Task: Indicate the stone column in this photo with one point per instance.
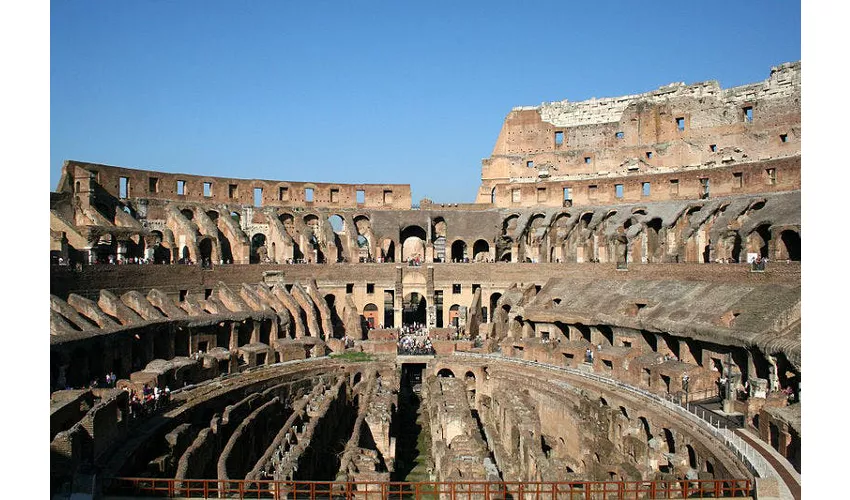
(431, 315)
(398, 300)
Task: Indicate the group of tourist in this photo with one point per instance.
(413, 339)
(413, 345)
(149, 401)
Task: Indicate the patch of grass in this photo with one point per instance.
(353, 356)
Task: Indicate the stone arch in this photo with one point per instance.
(458, 251)
(758, 241)
(413, 243)
(371, 315)
(790, 248)
(480, 250)
(692, 457)
(454, 315)
(259, 252)
(446, 373)
(206, 250)
(670, 440)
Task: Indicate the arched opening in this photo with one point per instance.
(184, 254)
(371, 317)
(671, 443)
(646, 430)
(337, 223)
(692, 457)
(791, 241)
(188, 213)
(258, 248)
(205, 246)
(494, 299)
(458, 251)
(492, 196)
(446, 373)
(413, 244)
(161, 254)
(506, 257)
(761, 240)
(338, 226)
(454, 315)
(414, 309)
(480, 251)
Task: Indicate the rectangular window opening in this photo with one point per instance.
(645, 188)
(475, 286)
(541, 194)
(713, 148)
(591, 191)
(334, 195)
(361, 196)
(587, 159)
(283, 194)
(515, 195)
(388, 197)
(783, 137)
(208, 189)
(680, 123)
(674, 186)
(649, 155)
(568, 195)
(737, 179)
(123, 184)
(618, 190)
(308, 195)
(258, 197)
(529, 164)
(153, 184)
(181, 188)
(370, 288)
(559, 138)
(456, 288)
(748, 114)
(232, 191)
(207, 293)
(183, 294)
(349, 288)
(619, 135)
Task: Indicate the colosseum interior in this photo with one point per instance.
(616, 316)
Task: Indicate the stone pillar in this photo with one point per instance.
(398, 299)
(514, 252)
(431, 315)
(234, 337)
(255, 331)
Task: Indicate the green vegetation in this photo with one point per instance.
(353, 356)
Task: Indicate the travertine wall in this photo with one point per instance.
(676, 127)
(164, 186)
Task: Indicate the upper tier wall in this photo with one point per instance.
(674, 127)
(164, 186)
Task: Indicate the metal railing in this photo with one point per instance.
(707, 420)
(355, 490)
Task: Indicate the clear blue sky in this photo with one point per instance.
(369, 91)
